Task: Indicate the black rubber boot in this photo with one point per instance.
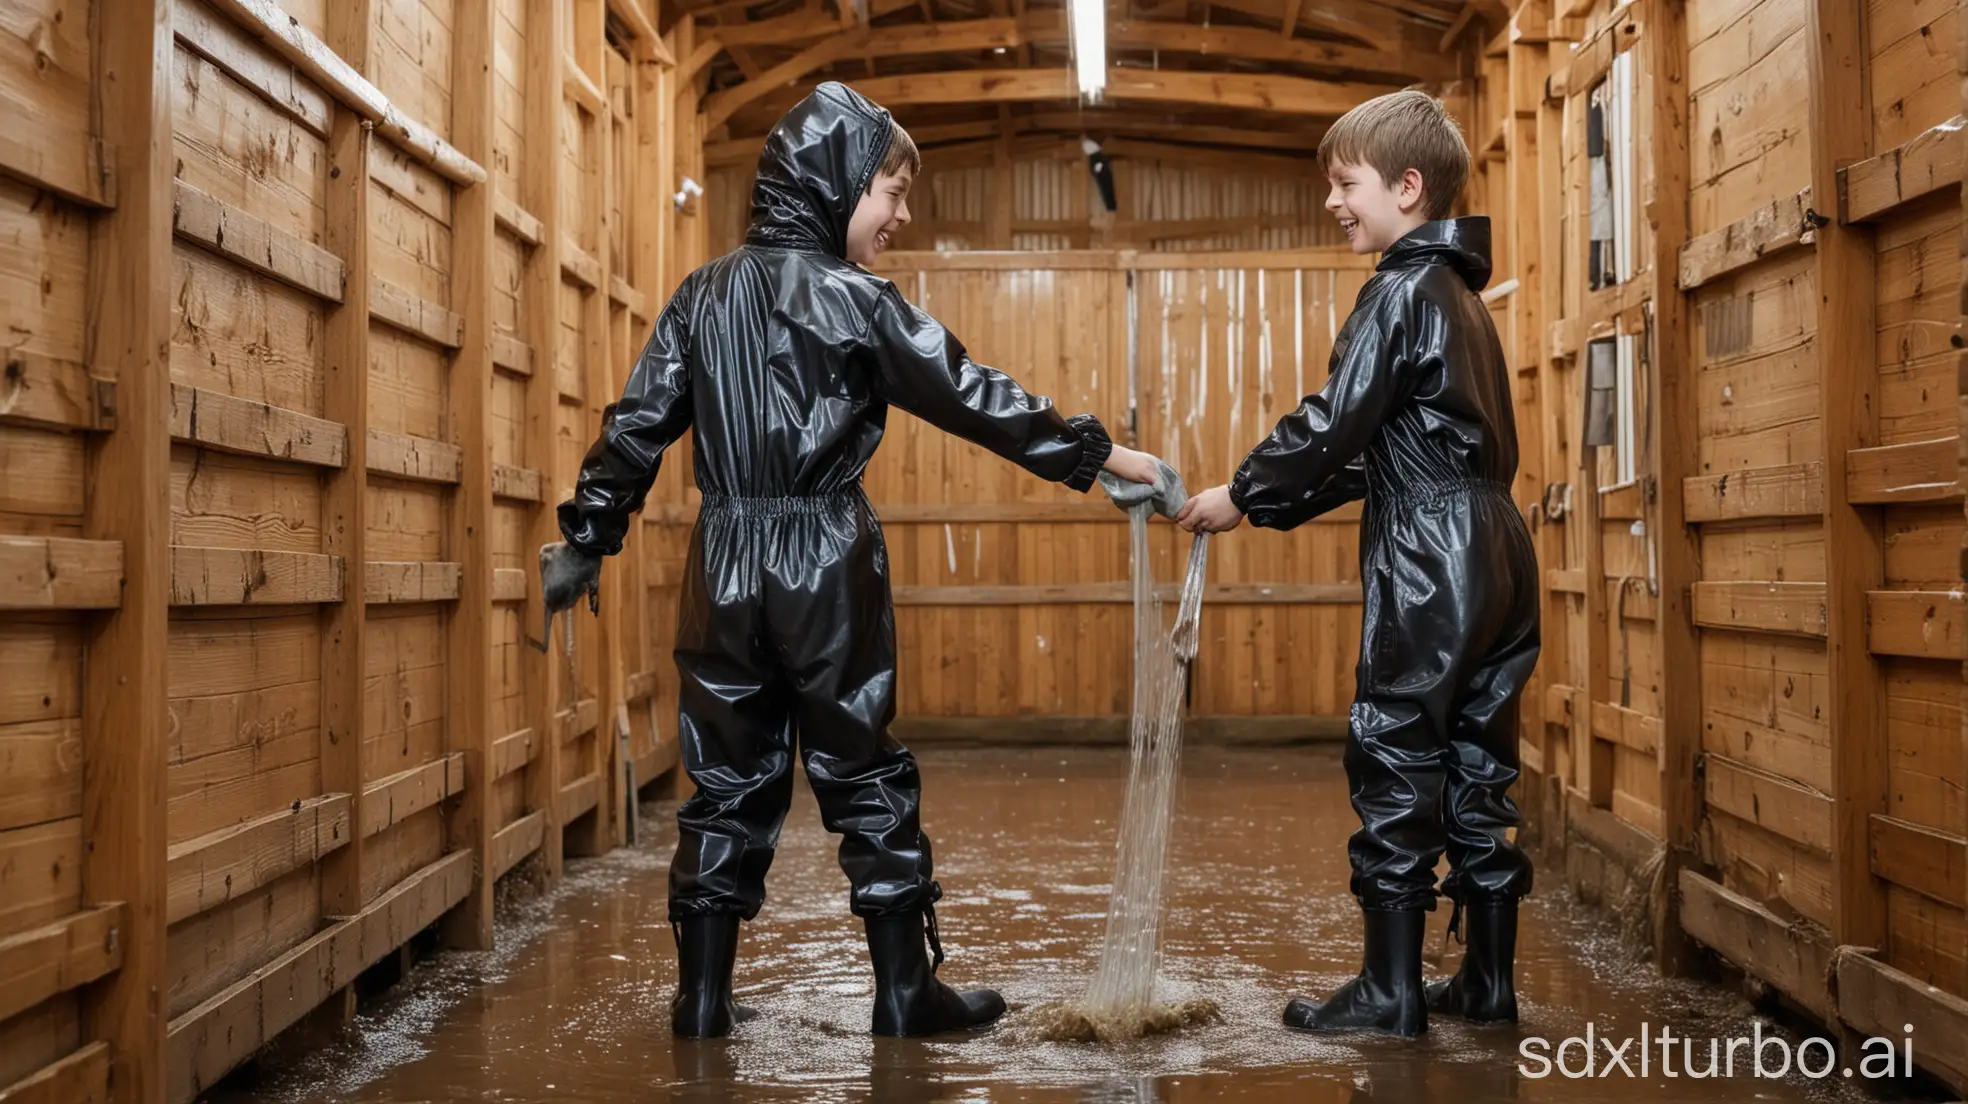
(1484, 989)
(707, 948)
(908, 998)
(1387, 996)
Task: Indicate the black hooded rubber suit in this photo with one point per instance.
(1416, 418)
(782, 359)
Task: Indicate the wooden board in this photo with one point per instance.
(1916, 623)
(1755, 939)
(60, 573)
(244, 576)
(213, 420)
(1777, 804)
(1929, 862)
(1788, 490)
(1797, 608)
(411, 581)
(404, 794)
(80, 1078)
(54, 958)
(232, 862)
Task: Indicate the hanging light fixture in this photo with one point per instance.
(1089, 27)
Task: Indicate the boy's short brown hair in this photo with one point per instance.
(1401, 131)
(902, 154)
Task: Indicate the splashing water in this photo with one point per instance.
(1120, 1001)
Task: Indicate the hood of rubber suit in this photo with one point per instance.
(816, 164)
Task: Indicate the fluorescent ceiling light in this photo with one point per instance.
(1089, 25)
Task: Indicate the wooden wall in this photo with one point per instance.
(310, 313)
(1752, 672)
(1036, 193)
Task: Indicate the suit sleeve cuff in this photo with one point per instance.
(1095, 448)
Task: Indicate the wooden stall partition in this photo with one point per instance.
(272, 406)
(1753, 685)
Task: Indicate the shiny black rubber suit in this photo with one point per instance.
(1416, 418)
(782, 358)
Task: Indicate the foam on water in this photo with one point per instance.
(1120, 1001)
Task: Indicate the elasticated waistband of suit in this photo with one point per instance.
(781, 505)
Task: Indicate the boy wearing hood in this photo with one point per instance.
(783, 358)
(1416, 419)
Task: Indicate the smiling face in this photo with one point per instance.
(1374, 213)
(881, 213)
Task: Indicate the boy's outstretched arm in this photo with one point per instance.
(925, 370)
(653, 412)
(1311, 462)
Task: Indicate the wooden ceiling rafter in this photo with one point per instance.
(1280, 94)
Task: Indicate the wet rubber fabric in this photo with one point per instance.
(1416, 419)
(782, 359)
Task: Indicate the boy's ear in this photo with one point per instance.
(1413, 189)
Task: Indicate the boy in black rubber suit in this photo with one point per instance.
(782, 358)
(1416, 418)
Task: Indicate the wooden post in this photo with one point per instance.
(124, 708)
(468, 535)
(344, 525)
(540, 301)
(1522, 224)
(1552, 395)
(1675, 400)
(1841, 133)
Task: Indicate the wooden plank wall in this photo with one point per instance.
(399, 250)
(1753, 654)
(1040, 196)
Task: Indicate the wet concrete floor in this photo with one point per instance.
(574, 1004)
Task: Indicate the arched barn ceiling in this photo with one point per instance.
(1253, 74)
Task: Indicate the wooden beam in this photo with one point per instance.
(623, 294)
(221, 866)
(512, 752)
(639, 687)
(221, 41)
(1769, 801)
(287, 37)
(1914, 473)
(515, 220)
(1840, 133)
(1883, 1002)
(579, 719)
(1929, 163)
(519, 484)
(1794, 608)
(638, 23)
(51, 573)
(1764, 232)
(1629, 728)
(210, 1039)
(414, 314)
(59, 957)
(417, 458)
(345, 493)
(706, 52)
(581, 88)
(539, 322)
(578, 797)
(1277, 93)
(388, 581)
(255, 243)
(1926, 860)
(508, 584)
(468, 524)
(1785, 955)
(230, 424)
(512, 355)
(402, 795)
(126, 474)
(71, 166)
(80, 1078)
(252, 577)
(580, 265)
(1923, 623)
(56, 393)
(1048, 28)
(1778, 491)
(516, 841)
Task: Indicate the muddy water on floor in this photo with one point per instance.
(574, 1005)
